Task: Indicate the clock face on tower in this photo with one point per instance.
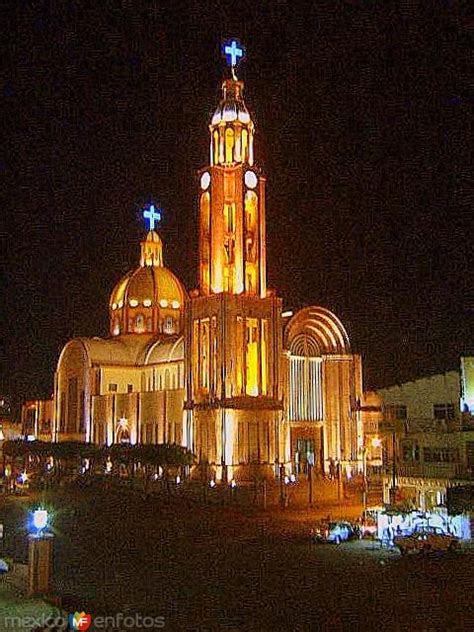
(205, 180)
(250, 179)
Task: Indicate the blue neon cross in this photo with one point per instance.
(233, 52)
(152, 216)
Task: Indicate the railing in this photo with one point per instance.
(433, 470)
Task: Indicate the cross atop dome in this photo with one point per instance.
(233, 51)
(151, 216)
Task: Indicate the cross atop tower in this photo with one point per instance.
(233, 51)
(151, 216)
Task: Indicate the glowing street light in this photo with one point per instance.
(23, 478)
(40, 519)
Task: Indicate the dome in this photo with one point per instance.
(149, 299)
(148, 286)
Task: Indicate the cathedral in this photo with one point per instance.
(220, 369)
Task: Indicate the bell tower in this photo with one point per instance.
(232, 203)
(234, 341)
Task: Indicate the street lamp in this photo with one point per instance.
(375, 443)
(40, 554)
(40, 520)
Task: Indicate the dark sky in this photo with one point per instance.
(363, 128)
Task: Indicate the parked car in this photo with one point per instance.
(334, 532)
(425, 539)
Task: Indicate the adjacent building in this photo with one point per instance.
(428, 431)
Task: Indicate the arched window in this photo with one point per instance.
(149, 324)
(169, 325)
(205, 205)
(167, 380)
(229, 145)
(116, 327)
(245, 140)
(139, 324)
(216, 147)
(251, 202)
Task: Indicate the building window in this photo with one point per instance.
(440, 455)
(112, 388)
(82, 412)
(72, 402)
(168, 325)
(97, 382)
(443, 411)
(116, 327)
(396, 412)
(229, 145)
(204, 353)
(139, 324)
(252, 356)
(229, 217)
(129, 388)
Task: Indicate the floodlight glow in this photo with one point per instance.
(178, 480)
(287, 314)
(23, 478)
(293, 478)
(212, 483)
(376, 442)
(233, 483)
(40, 519)
(287, 480)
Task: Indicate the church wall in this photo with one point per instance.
(119, 379)
(152, 417)
(245, 441)
(72, 393)
(340, 418)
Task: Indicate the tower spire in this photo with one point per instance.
(232, 199)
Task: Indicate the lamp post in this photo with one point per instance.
(310, 459)
(375, 443)
(364, 480)
(40, 554)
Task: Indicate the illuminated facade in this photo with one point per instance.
(233, 323)
(218, 370)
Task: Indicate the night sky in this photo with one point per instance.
(363, 128)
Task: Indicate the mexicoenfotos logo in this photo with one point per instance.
(80, 621)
